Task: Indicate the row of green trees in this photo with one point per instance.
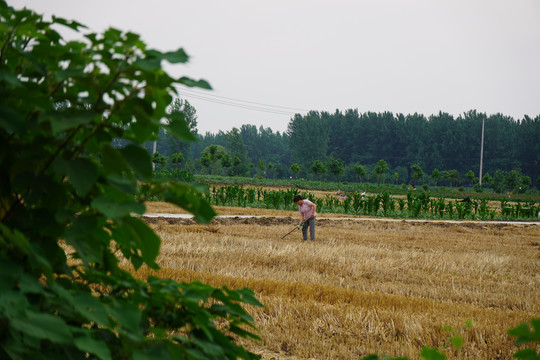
(216, 160)
(436, 142)
(349, 147)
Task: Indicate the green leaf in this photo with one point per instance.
(524, 334)
(91, 308)
(22, 245)
(189, 199)
(243, 333)
(61, 121)
(113, 161)
(431, 354)
(139, 355)
(139, 159)
(11, 120)
(142, 131)
(248, 296)
(194, 83)
(147, 124)
(84, 342)
(43, 326)
(457, 342)
(128, 316)
(4, 150)
(196, 291)
(175, 351)
(30, 285)
(10, 78)
(83, 174)
(15, 237)
(125, 184)
(10, 272)
(146, 238)
(87, 237)
(209, 348)
(527, 354)
(174, 57)
(12, 303)
(72, 24)
(67, 74)
(153, 351)
(180, 129)
(114, 209)
(195, 354)
(468, 324)
(148, 64)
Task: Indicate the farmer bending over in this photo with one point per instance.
(307, 216)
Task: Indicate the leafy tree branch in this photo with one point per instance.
(70, 205)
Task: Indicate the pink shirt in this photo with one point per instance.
(306, 210)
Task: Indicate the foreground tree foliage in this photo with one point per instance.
(69, 210)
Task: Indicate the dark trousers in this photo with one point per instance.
(311, 224)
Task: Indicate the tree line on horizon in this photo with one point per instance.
(349, 145)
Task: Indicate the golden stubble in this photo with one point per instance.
(365, 286)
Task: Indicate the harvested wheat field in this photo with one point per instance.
(363, 287)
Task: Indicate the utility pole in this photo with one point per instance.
(155, 149)
(481, 152)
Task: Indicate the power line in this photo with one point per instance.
(244, 104)
(238, 105)
(239, 100)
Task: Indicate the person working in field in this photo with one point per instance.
(307, 216)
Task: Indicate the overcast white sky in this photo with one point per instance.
(267, 60)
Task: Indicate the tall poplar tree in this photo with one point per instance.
(308, 138)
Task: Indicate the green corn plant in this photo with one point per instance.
(463, 209)
(415, 208)
(506, 209)
(329, 202)
(432, 206)
(401, 203)
(358, 201)
(347, 201)
(288, 198)
(320, 204)
(388, 204)
(440, 207)
(251, 196)
(450, 209)
(483, 209)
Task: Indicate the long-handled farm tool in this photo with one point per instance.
(297, 227)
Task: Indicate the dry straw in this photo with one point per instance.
(366, 286)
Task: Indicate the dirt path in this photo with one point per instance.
(284, 219)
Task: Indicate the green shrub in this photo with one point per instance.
(66, 185)
(478, 188)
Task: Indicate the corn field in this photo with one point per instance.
(415, 205)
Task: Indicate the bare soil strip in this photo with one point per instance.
(358, 218)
